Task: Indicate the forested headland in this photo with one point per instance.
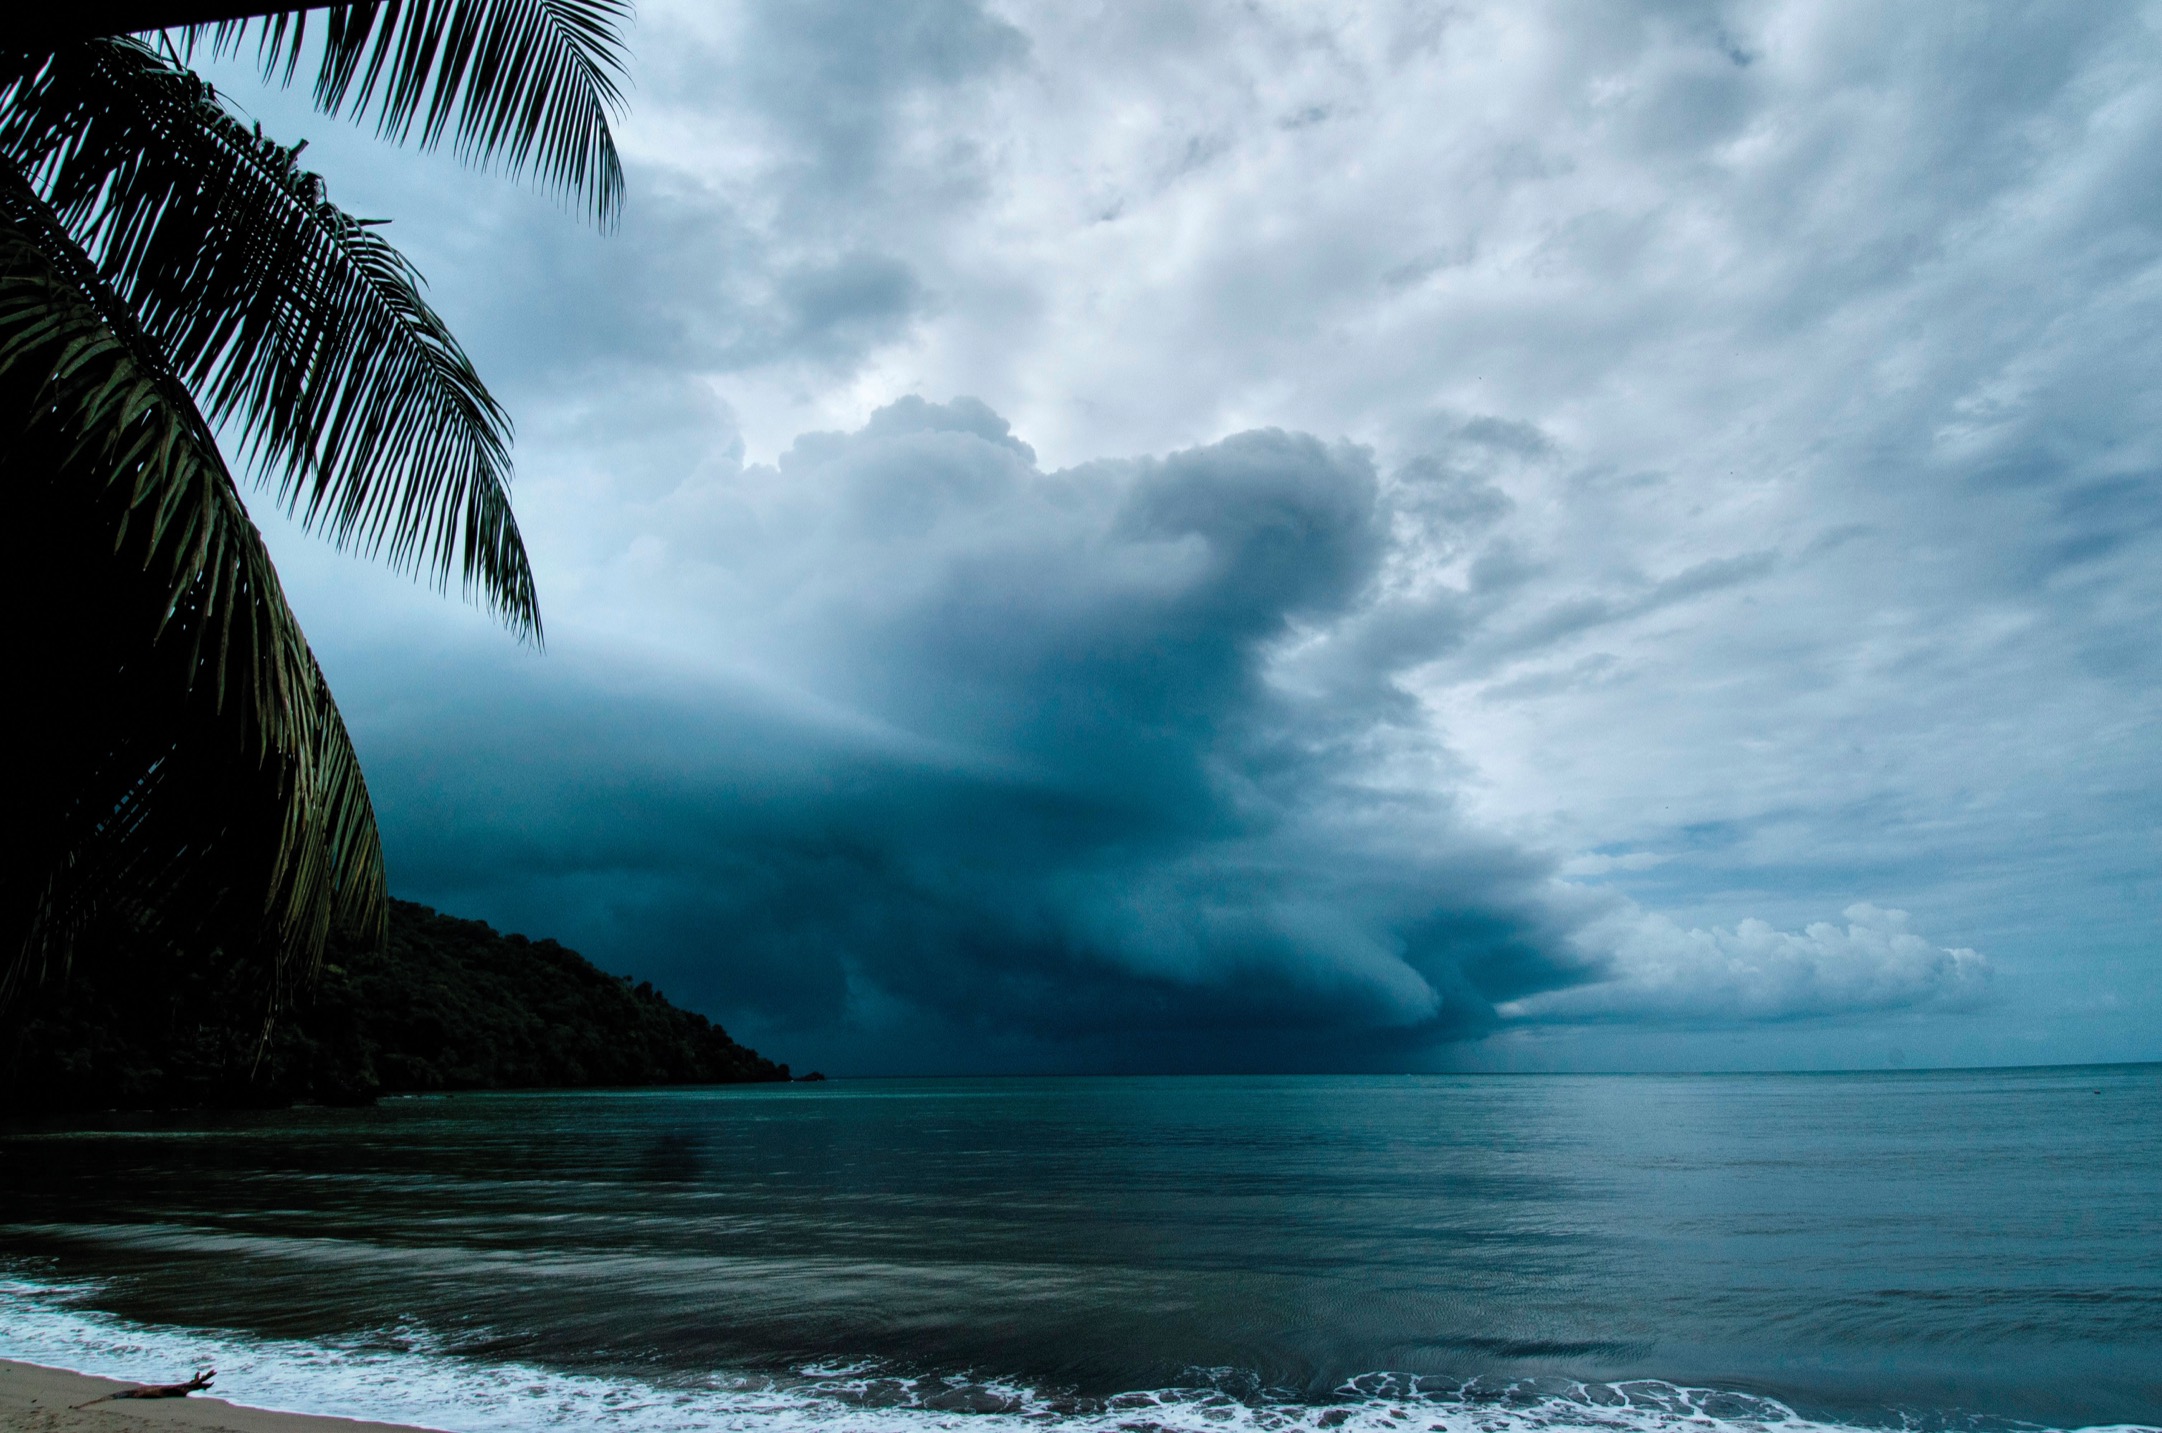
(443, 1004)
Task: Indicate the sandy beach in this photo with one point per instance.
(52, 1400)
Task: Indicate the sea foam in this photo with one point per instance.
(403, 1375)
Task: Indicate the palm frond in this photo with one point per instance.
(183, 775)
(291, 320)
(41, 29)
(529, 84)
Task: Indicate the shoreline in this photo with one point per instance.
(38, 1399)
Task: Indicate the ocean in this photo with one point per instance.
(1915, 1250)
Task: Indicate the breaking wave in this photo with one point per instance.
(402, 1375)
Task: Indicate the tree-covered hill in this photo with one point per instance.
(448, 1004)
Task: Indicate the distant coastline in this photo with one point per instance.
(447, 1004)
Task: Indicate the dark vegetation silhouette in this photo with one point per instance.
(184, 803)
(443, 1004)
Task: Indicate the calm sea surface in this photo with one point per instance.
(1932, 1250)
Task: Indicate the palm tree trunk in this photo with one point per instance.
(46, 27)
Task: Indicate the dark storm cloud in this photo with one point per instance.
(932, 759)
(1764, 525)
(1052, 791)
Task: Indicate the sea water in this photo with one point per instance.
(1975, 1249)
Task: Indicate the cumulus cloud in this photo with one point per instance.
(1101, 766)
(1749, 504)
(1023, 762)
(1660, 971)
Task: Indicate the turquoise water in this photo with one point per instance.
(1900, 1249)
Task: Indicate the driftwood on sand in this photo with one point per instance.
(196, 1384)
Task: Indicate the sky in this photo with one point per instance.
(1237, 535)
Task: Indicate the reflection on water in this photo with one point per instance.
(1852, 1245)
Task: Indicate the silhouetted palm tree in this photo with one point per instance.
(180, 781)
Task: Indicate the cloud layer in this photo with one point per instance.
(1102, 767)
(1659, 971)
(1052, 784)
(1732, 497)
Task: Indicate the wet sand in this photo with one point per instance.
(45, 1400)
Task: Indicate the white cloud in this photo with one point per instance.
(1765, 397)
(1599, 863)
(1660, 971)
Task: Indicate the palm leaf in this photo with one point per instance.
(41, 29)
(529, 84)
(185, 776)
(290, 319)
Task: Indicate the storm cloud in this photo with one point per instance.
(1052, 784)
(1702, 463)
(1101, 767)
